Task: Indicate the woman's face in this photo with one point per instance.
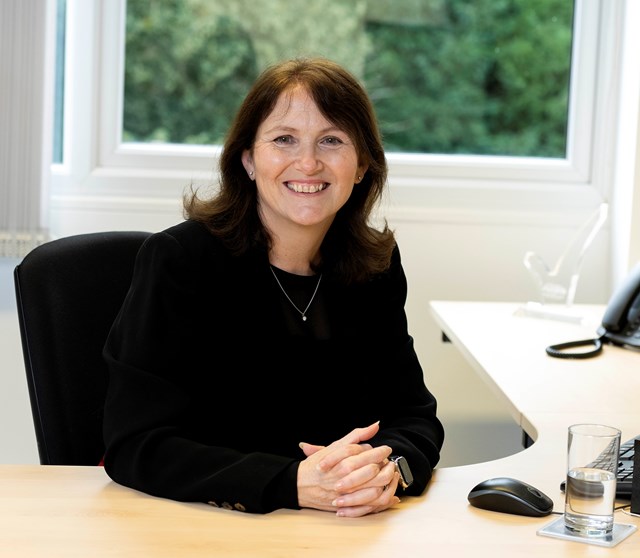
(304, 167)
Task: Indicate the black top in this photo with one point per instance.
(303, 293)
(211, 390)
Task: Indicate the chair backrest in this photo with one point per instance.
(68, 292)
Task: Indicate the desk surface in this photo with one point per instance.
(78, 512)
(507, 349)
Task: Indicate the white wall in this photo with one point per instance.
(17, 442)
(458, 261)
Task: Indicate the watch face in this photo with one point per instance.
(406, 477)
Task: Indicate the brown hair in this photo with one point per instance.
(352, 250)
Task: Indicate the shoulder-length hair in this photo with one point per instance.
(353, 250)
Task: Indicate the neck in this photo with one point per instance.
(299, 263)
(295, 247)
(296, 253)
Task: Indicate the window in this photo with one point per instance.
(478, 156)
(455, 77)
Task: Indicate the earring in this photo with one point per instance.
(251, 174)
(359, 178)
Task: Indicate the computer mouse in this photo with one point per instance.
(507, 495)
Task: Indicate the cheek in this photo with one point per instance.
(269, 160)
(342, 192)
(276, 158)
(346, 165)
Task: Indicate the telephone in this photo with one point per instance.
(620, 323)
(621, 320)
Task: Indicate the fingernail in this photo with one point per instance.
(301, 445)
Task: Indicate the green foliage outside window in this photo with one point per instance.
(485, 77)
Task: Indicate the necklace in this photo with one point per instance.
(301, 312)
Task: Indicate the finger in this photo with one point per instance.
(370, 455)
(359, 511)
(387, 476)
(309, 449)
(365, 476)
(358, 435)
(361, 468)
(392, 486)
(337, 454)
(364, 497)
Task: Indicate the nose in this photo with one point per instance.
(309, 158)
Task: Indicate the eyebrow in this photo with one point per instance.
(280, 128)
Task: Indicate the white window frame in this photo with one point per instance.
(100, 170)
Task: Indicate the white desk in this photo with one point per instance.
(508, 352)
(78, 512)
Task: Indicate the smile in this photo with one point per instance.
(306, 188)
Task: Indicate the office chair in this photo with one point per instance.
(68, 292)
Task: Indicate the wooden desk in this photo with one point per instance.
(78, 512)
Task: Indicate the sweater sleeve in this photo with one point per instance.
(150, 445)
(408, 422)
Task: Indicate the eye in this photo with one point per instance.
(283, 140)
(332, 140)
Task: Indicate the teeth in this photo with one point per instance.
(306, 188)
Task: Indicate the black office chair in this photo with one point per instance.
(68, 292)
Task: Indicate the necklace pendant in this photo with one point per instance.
(301, 312)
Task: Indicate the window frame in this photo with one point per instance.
(97, 164)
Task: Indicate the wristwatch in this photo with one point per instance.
(402, 466)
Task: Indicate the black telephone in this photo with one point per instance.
(621, 320)
(620, 323)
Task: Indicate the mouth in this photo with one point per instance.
(306, 188)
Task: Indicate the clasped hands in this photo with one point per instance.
(348, 476)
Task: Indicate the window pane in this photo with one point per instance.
(58, 103)
(485, 77)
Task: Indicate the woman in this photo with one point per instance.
(261, 359)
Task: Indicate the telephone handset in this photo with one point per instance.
(621, 320)
(620, 323)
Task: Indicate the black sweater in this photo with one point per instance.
(211, 388)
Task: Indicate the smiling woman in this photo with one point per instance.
(312, 135)
(294, 269)
(300, 155)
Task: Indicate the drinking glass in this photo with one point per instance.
(592, 461)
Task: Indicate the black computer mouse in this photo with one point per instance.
(507, 495)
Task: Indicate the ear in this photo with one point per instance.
(362, 169)
(247, 163)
